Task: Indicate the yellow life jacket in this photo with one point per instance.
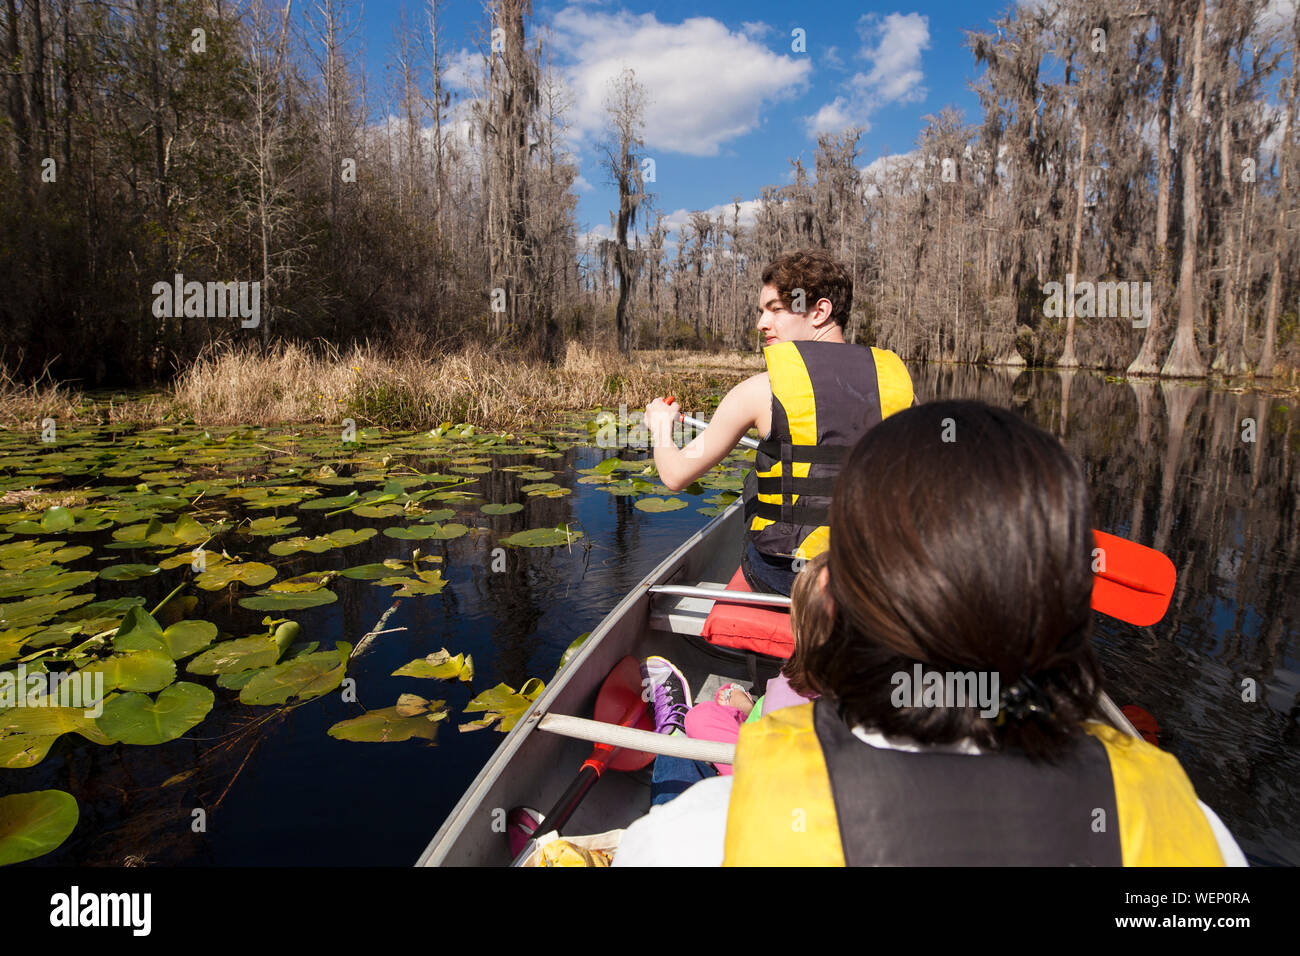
(806, 792)
(825, 395)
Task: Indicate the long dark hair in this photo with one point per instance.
(961, 541)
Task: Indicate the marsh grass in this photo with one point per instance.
(412, 386)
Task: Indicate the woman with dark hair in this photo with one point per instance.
(958, 721)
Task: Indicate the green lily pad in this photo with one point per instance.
(301, 678)
(139, 631)
(344, 537)
(326, 504)
(274, 601)
(502, 509)
(146, 671)
(378, 511)
(128, 572)
(304, 583)
(57, 519)
(542, 538)
(438, 514)
(270, 527)
(33, 824)
(24, 750)
(252, 573)
(439, 665)
(425, 532)
(423, 583)
(242, 654)
(656, 505)
(390, 725)
(38, 609)
(144, 721)
(571, 651)
(503, 703)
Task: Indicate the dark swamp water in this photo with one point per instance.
(1168, 467)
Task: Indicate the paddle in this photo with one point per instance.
(1131, 582)
(619, 702)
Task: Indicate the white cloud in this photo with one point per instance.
(705, 84)
(1276, 15)
(892, 45)
(681, 218)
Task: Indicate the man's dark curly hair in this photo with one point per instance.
(819, 274)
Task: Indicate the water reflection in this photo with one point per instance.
(1209, 477)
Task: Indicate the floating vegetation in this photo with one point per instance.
(656, 505)
(236, 523)
(542, 537)
(406, 721)
(504, 704)
(439, 665)
(33, 824)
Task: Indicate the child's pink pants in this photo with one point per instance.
(714, 721)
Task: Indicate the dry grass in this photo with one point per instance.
(27, 406)
(418, 387)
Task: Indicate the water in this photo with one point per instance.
(1168, 467)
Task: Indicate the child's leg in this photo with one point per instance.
(710, 721)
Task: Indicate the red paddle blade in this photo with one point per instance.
(1133, 583)
(620, 702)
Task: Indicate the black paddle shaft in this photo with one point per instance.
(568, 802)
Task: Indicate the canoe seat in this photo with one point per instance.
(747, 627)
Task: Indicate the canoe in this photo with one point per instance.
(532, 767)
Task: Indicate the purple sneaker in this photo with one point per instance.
(665, 687)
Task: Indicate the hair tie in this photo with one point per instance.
(1023, 699)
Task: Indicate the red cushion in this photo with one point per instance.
(747, 626)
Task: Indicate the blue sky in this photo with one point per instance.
(730, 100)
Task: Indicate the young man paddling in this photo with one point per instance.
(818, 396)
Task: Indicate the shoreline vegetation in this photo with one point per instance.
(292, 384)
(414, 387)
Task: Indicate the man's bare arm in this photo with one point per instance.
(737, 413)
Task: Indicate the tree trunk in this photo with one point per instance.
(1147, 360)
(1184, 359)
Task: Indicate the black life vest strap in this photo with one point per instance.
(808, 454)
(814, 487)
(798, 514)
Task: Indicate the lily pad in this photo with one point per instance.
(128, 572)
(246, 653)
(503, 703)
(275, 601)
(656, 505)
(147, 671)
(439, 665)
(542, 538)
(144, 721)
(252, 573)
(502, 509)
(139, 631)
(423, 583)
(425, 532)
(342, 538)
(390, 725)
(301, 678)
(33, 824)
